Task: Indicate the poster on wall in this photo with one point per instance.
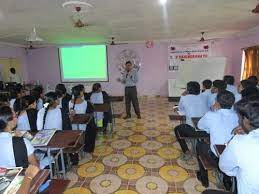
(181, 52)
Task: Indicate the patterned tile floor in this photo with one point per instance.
(142, 156)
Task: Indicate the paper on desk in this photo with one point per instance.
(43, 137)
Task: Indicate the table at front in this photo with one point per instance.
(61, 140)
(56, 186)
(37, 181)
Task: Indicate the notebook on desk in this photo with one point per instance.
(43, 137)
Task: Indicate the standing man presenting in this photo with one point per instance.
(130, 79)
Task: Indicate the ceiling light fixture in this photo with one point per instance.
(163, 2)
(84, 7)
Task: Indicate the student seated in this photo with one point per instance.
(38, 94)
(97, 96)
(219, 125)
(82, 87)
(206, 89)
(191, 105)
(26, 111)
(52, 116)
(241, 155)
(79, 106)
(64, 97)
(16, 93)
(230, 81)
(15, 151)
(4, 100)
(217, 86)
(250, 92)
(254, 80)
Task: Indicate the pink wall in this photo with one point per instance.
(43, 64)
(19, 53)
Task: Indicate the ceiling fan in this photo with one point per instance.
(203, 39)
(112, 43)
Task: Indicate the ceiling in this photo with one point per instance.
(127, 20)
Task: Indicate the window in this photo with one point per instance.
(250, 62)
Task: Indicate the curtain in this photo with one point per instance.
(251, 64)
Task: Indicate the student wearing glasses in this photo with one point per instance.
(15, 151)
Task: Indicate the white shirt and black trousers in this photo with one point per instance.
(130, 79)
(219, 124)
(191, 106)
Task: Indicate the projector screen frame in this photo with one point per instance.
(81, 80)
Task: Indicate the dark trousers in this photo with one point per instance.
(203, 149)
(90, 136)
(131, 95)
(185, 130)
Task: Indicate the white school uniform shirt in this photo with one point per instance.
(232, 88)
(192, 106)
(23, 122)
(212, 99)
(7, 159)
(97, 98)
(79, 109)
(240, 159)
(12, 101)
(219, 124)
(39, 104)
(53, 119)
(238, 97)
(60, 102)
(206, 94)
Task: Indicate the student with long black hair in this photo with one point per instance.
(38, 94)
(79, 106)
(97, 96)
(64, 97)
(26, 111)
(16, 93)
(15, 151)
(52, 116)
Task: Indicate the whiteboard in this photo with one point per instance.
(200, 69)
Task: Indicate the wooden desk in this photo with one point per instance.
(180, 118)
(56, 186)
(65, 139)
(116, 98)
(40, 178)
(62, 140)
(81, 118)
(219, 149)
(102, 107)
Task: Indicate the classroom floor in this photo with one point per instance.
(142, 156)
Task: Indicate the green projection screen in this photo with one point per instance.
(83, 63)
